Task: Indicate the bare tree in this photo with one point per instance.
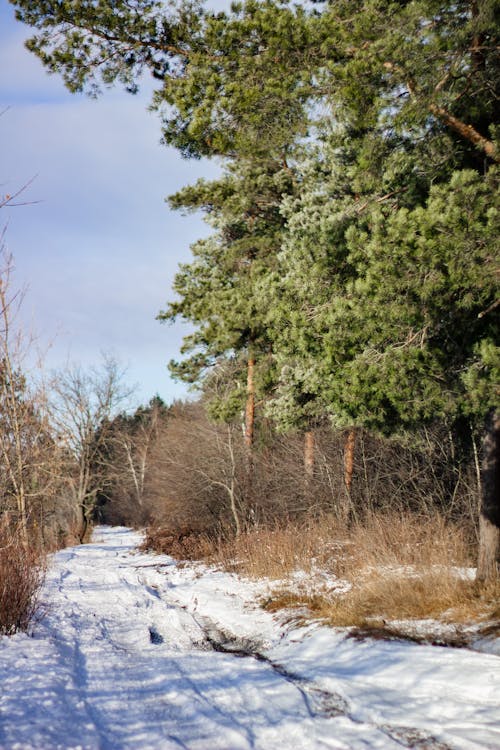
(31, 471)
(14, 406)
(127, 457)
(83, 406)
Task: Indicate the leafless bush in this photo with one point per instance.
(21, 575)
(183, 543)
(198, 476)
(195, 479)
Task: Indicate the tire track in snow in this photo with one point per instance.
(92, 644)
(142, 672)
(123, 631)
(319, 702)
(72, 650)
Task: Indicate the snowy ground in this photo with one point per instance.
(135, 652)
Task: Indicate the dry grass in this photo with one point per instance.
(261, 553)
(409, 540)
(398, 567)
(380, 600)
(393, 566)
(21, 575)
(277, 552)
(424, 595)
(407, 567)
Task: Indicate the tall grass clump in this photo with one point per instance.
(278, 551)
(21, 576)
(393, 566)
(404, 566)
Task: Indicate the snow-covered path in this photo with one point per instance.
(126, 657)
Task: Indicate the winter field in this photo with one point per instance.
(135, 651)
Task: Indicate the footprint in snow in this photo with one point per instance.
(155, 637)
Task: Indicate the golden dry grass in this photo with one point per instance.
(423, 595)
(384, 601)
(394, 567)
(277, 552)
(399, 567)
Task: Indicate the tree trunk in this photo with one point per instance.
(309, 461)
(489, 518)
(84, 524)
(232, 483)
(349, 448)
(137, 480)
(250, 407)
(309, 455)
(350, 445)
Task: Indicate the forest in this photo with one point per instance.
(344, 309)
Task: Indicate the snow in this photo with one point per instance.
(136, 651)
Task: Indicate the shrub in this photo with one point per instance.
(21, 576)
(182, 543)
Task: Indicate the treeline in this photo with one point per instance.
(176, 469)
(52, 435)
(349, 288)
(53, 429)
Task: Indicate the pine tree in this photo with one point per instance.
(405, 328)
(220, 290)
(371, 278)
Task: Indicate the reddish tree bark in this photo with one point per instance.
(250, 406)
(309, 454)
(465, 131)
(349, 448)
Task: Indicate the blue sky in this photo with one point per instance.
(98, 252)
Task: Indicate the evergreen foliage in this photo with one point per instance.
(405, 329)
(220, 291)
(354, 255)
